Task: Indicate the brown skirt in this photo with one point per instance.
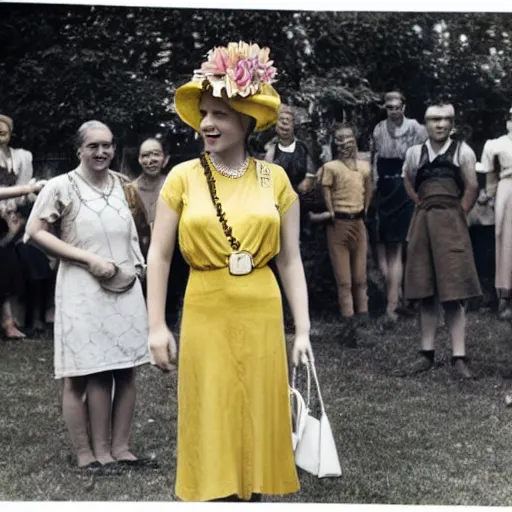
(439, 255)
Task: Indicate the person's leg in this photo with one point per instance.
(456, 322)
(358, 260)
(382, 259)
(429, 318)
(123, 409)
(8, 324)
(99, 403)
(340, 260)
(394, 278)
(74, 411)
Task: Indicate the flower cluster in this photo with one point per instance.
(239, 68)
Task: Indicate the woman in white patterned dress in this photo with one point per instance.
(100, 313)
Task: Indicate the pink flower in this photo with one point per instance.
(239, 68)
(242, 74)
(218, 62)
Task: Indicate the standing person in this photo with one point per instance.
(347, 187)
(290, 153)
(10, 276)
(440, 178)
(142, 193)
(15, 170)
(100, 315)
(235, 214)
(391, 139)
(293, 155)
(142, 196)
(497, 164)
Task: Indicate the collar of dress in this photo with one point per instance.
(287, 149)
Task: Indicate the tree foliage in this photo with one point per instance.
(62, 65)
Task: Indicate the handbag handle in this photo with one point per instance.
(310, 369)
(308, 387)
(315, 376)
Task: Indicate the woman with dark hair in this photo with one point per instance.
(100, 314)
(235, 213)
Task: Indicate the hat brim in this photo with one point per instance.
(262, 107)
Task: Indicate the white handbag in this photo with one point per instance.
(313, 442)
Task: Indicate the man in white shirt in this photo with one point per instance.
(440, 178)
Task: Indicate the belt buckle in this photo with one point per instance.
(240, 263)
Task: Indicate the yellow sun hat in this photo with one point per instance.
(242, 74)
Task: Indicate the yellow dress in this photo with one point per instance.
(234, 424)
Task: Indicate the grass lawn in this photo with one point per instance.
(430, 439)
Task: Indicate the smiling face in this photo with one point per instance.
(152, 158)
(97, 149)
(222, 128)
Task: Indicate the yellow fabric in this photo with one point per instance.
(250, 209)
(348, 187)
(234, 422)
(262, 107)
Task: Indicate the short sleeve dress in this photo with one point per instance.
(234, 421)
(95, 330)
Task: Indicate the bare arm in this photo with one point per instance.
(368, 190)
(491, 183)
(326, 179)
(39, 231)
(16, 191)
(468, 172)
(163, 242)
(410, 188)
(327, 193)
(293, 279)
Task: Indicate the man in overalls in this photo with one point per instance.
(441, 179)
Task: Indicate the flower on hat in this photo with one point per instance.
(239, 68)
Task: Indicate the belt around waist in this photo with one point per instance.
(349, 216)
(391, 177)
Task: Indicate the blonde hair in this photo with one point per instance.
(8, 121)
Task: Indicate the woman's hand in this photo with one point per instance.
(162, 347)
(301, 349)
(100, 267)
(306, 185)
(36, 187)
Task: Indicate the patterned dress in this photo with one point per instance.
(393, 205)
(95, 330)
(234, 421)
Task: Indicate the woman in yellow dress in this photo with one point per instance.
(235, 214)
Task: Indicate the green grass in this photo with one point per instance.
(430, 439)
